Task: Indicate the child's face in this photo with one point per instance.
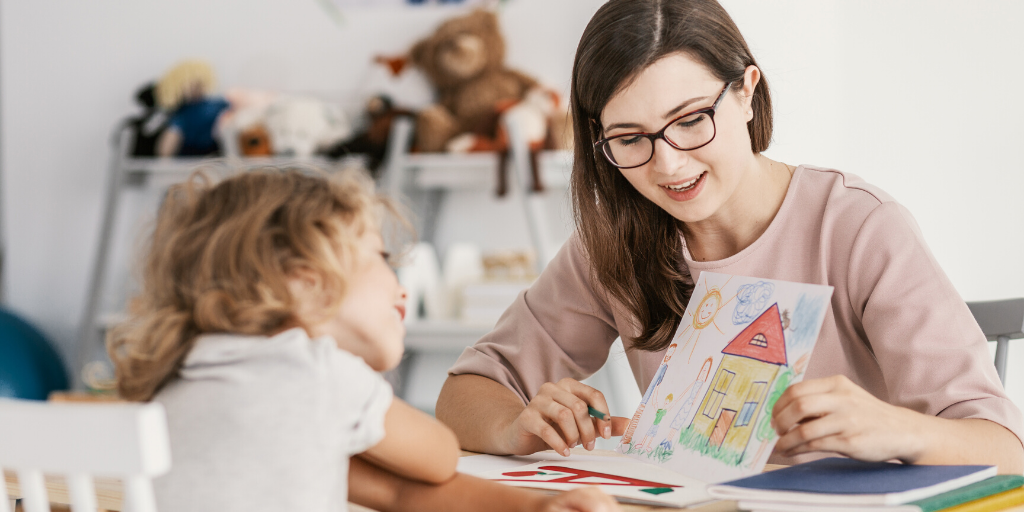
(369, 321)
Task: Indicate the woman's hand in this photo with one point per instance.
(835, 415)
(558, 418)
(587, 499)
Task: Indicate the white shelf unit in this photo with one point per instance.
(423, 181)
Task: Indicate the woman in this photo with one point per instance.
(671, 115)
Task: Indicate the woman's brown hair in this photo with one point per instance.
(634, 247)
(219, 259)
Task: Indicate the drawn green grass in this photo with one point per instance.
(698, 442)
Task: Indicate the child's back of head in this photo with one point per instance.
(244, 287)
(219, 260)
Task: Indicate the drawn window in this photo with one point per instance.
(750, 404)
(759, 340)
(718, 392)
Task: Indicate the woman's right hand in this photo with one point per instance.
(557, 418)
(587, 499)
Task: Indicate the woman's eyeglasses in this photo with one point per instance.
(685, 133)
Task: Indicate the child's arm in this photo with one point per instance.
(415, 445)
(373, 487)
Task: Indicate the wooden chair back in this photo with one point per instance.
(80, 441)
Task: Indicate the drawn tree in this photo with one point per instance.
(764, 431)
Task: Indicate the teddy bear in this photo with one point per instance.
(478, 96)
(464, 59)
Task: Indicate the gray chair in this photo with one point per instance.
(1001, 321)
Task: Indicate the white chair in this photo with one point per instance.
(1001, 321)
(79, 441)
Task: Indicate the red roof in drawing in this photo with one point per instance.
(763, 339)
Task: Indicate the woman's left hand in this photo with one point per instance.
(835, 415)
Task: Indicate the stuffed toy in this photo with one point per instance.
(245, 121)
(185, 93)
(478, 96)
(147, 127)
(373, 140)
(255, 141)
(464, 61)
(301, 126)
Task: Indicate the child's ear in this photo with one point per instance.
(306, 287)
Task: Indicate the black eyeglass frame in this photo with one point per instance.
(602, 144)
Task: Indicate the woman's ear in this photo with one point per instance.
(751, 76)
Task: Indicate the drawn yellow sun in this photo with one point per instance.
(704, 315)
(707, 309)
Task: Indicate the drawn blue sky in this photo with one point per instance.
(805, 321)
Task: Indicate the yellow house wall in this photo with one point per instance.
(747, 372)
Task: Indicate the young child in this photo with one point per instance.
(267, 308)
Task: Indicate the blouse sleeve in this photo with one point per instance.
(932, 353)
(559, 327)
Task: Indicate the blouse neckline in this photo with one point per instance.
(777, 221)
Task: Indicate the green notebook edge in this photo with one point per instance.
(975, 491)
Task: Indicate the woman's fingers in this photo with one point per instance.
(802, 410)
(594, 399)
(567, 394)
(804, 389)
(534, 422)
(619, 425)
(552, 405)
(559, 415)
(820, 434)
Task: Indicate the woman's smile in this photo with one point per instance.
(685, 190)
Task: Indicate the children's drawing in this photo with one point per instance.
(651, 391)
(719, 413)
(805, 321)
(751, 299)
(692, 396)
(645, 443)
(703, 315)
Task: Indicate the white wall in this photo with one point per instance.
(917, 96)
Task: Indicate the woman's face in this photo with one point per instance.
(690, 185)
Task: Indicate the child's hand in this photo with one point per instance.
(587, 499)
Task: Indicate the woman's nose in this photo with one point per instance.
(668, 159)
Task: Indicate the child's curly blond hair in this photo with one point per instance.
(219, 260)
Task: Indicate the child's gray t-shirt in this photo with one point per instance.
(268, 424)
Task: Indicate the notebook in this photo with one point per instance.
(837, 481)
(974, 495)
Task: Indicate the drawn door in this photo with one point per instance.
(722, 427)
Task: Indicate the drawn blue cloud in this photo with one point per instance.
(751, 300)
(805, 321)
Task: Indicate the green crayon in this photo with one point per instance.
(596, 413)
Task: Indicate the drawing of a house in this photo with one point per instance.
(729, 411)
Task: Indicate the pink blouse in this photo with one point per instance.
(896, 326)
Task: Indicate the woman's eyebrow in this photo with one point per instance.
(683, 105)
(669, 114)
